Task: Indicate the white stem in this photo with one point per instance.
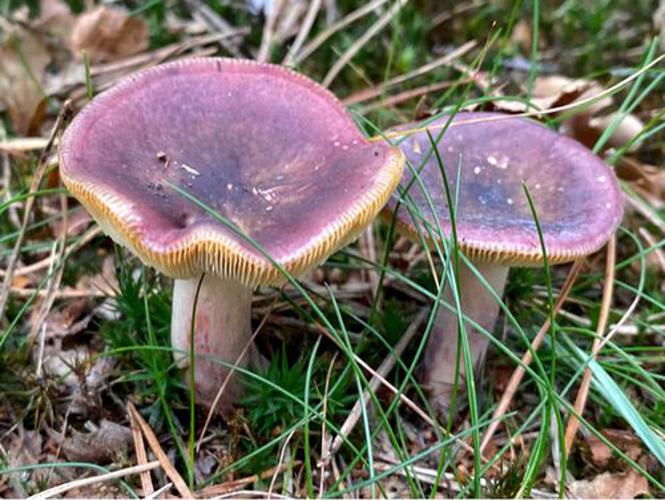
(477, 304)
(222, 330)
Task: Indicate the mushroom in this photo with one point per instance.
(576, 197)
(267, 149)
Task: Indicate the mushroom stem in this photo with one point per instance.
(478, 304)
(222, 331)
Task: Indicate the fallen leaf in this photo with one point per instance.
(55, 18)
(628, 128)
(68, 320)
(626, 441)
(107, 34)
(624, 485)
(599, 453)
(63, 364)
(77, 223)
(25, 449)
(561, 90)
(105, 281)
(648, 178)
(102, 444)
(23, 62)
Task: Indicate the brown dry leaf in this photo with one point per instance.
(106, 281)
(25, 449)
(77, 223)
(107, 34)
(599, 453)
(23, 61)
(561, 90)
(625, 485)
(553, 91)
(63, 365)
(587, 127)
(102, 444)
(629, 127)
(69, 319)
(648, 178)
(627, 442)
(55, 18)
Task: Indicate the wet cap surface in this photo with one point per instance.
(576, 195)
(268, 149)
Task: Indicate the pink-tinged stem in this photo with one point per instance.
(440, 357)
(222, 332)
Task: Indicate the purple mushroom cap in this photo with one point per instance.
(576, 196)
(266, 148)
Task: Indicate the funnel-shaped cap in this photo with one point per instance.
(576, 195)
(264, 147)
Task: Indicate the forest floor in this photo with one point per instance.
(88, 386)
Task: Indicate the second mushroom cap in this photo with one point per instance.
(576, 196)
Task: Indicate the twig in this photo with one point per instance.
(280, 463)
(520, 370)
(530, 114)
(324, 413)
(157, 449)
(7, 180)
(406, 400)
(407, 95)
(159, 492)
(603, 316)
(341, 24)
(269, 30)
(446, 479)
(30, 201)
(653, 243)
(22, 144)
(156, 56)
(456, 11)
(366, 94)
(57, 294)
(358, 44)
(88, 236)
(42, 333)
(141, 455)
(307, 23)
(215, 22)
(58, 490)
(236, 484)
(54, 280)
(385, 368)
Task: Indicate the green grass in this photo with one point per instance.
(282, 414)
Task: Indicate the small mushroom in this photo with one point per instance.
(577, 201)
(267, 149)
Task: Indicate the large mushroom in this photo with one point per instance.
(267, 149)
(577, 201)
